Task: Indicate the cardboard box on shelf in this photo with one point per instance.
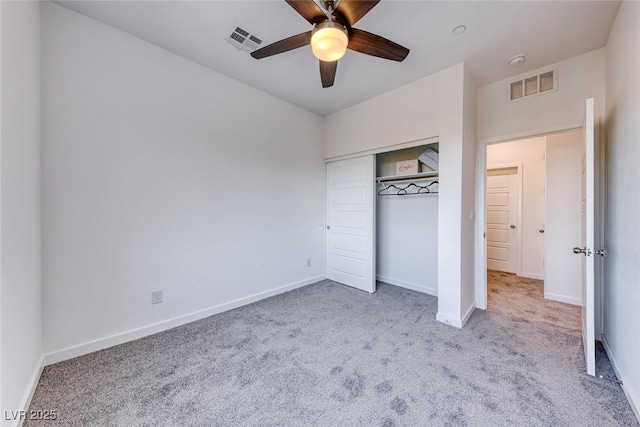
(430, 158)
(407, 167)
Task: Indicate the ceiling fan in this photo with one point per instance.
(333, 34)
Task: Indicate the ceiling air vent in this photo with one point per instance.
(533, 85)
(243, 40)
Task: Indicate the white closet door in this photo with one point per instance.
(350, 245)
(589, 248)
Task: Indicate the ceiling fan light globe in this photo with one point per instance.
(329, 41)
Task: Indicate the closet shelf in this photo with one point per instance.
(412, 177)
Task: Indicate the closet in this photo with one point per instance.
(407, 220)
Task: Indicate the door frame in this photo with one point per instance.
(601, 196)
(518, 242)
(481, 205)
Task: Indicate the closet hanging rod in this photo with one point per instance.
(432, 193)
(412, 177)
(409, 189)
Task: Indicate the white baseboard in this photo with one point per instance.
(28, 394)
(632, 397)
(449, 320)
(407, 285)
(468, 314)
(453, 321)
(562, 298)
(531, 276)
(134, 334)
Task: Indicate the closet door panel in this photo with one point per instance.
(350, 205)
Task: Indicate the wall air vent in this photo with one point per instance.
(244, 40)
(526, 87)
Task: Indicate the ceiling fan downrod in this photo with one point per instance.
(329, 7)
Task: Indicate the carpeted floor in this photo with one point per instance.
(329, 355)
(522, 298)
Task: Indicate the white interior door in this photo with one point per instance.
(588, 244)
(502, 219)
(350, 222)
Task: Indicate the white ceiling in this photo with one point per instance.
(545, 31)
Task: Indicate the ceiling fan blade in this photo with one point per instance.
(354, 10)
(283, 45)
(328, 72)
(308, 10)
(371, 44)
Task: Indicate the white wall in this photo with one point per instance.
(425, 108)
(159, 173)
(467, 298)
(530, 153)
(429, 107)
(407, 242)
(20, 289)
(622, 293)
(579, 78)
(563, 269)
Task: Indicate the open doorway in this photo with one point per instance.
(533, 211)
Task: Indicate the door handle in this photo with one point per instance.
(541, 230)
(584, 251)
(512, 226)
(328, 227)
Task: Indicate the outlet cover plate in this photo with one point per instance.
(156, 297)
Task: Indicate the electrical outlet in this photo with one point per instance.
(308, 262)
(156, 297)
